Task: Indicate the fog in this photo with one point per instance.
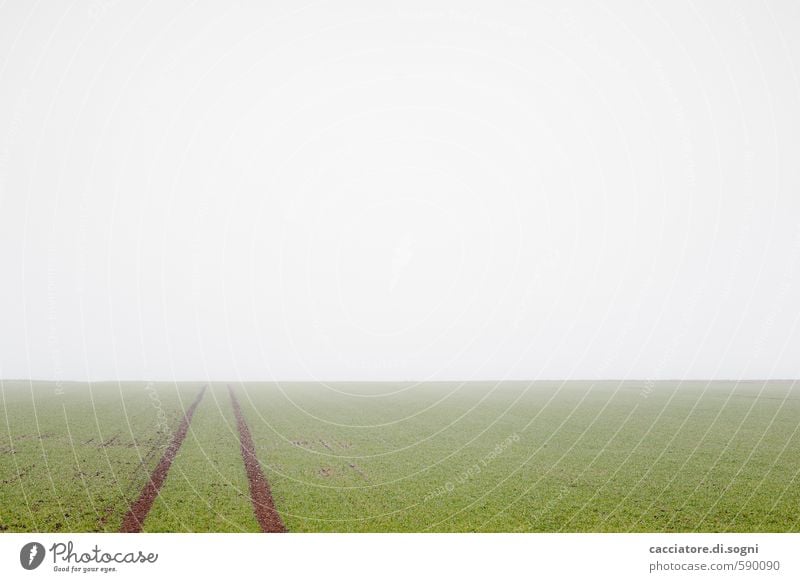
(399, 190)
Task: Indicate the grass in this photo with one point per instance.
(548, 456)
(207, 488)
(73, 455)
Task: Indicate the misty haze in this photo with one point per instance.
(399, 267)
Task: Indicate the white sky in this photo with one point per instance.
(399, 190)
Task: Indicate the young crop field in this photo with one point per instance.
(392, 457)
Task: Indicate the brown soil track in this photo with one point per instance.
(268, 517)
(134, 519)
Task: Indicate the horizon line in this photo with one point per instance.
(383, 381)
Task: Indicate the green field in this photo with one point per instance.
(441, 457)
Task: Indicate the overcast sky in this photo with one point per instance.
(399, 190)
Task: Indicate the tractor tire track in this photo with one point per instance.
(134, 519)
(263, 505)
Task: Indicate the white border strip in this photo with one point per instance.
(380, 557)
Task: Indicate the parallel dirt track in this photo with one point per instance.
(134, 519)
(268, 517)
